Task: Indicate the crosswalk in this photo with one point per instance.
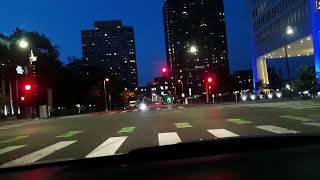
(281, 105)
(112, 145)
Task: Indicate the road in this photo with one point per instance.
(103, 134)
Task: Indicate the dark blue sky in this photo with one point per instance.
(62, 20)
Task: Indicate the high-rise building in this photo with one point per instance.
(286, 30)
(196, 42)
(110, 46)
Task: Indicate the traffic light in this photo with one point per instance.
(27, 87)
(164, 71)
(210, 80)
(22, 98)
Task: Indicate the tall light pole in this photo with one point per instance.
(23, 44)
(289, 32)
(182, 90)
(105, 93)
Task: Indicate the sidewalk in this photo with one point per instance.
(9, 121)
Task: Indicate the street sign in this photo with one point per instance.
(20, 70)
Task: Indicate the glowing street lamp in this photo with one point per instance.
(193, 49)
(289, 30)
(23, 44)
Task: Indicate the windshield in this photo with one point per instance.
(100, 78)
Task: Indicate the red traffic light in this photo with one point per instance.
(22, 98)
(27, 87)
(210, 80)
(164, 70)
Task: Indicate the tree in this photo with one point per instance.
(3, 99)
(128, 95)
(48, 67)
(306, 79)
(262, 86)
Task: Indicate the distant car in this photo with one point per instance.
(132, 104)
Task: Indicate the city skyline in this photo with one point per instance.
(64, 28)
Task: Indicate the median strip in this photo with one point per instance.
(13, 139)
(183, 125)
(296, 118)
(126, 130)
(239, 121)
(69, 134)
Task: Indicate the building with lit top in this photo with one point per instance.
(110, 46)
(284, 30)
(196, 43)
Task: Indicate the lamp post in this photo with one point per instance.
(182, 89)
(23, 44)
(105, 94)
(289, 32)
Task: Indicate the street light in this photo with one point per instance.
(107, 80)
(193, 49)
(23, 44)
(289, 32)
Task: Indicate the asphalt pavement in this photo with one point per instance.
(111, 133)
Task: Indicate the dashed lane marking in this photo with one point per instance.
(10, 148)
(69, 134)
(183, 125)
(296, 118)
(126, 130)
(13, 139)
(239, 121)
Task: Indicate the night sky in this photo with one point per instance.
(62, 20)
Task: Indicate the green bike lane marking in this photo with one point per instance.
(69, 134)
(183, 125)
(239, 121)
(127, 130)
(13, 139)
(296, 118)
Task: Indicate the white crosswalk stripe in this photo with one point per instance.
(276, 129)
(37, 155)
(317, 124)
(10, 126)
(108, 148)
(222, 133)
(168, 138)
(10, 148)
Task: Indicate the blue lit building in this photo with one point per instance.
(284, 29)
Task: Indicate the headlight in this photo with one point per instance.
(143, 106)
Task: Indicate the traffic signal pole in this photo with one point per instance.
(207, 93)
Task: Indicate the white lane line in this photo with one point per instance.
(10, 126)
(181, 107)
(158, 108)
(75, 116)
(168, 138)
(10, 148)
(296, 118)
(276, 129)
(37, 155)
(222, 133)
(123, 111)
(108, 148)
(317, 124)
(135, 110)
